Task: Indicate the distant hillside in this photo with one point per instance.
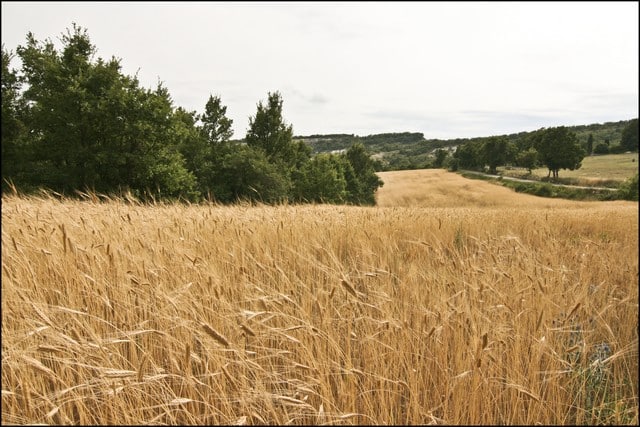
(410, 150)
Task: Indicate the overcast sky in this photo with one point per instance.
(448, 70)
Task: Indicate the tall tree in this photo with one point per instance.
(527, 159)
(441, 155)
(495, 151)
(13, 129)
(590, 144)
(322, 180)
(629, 138)
(468, 155)
(205, 152)
(92, 127)
(269, 132)
(362, 182)
(215, 123)
(558, 148)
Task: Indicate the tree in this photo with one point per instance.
(322, 180)
(590, 144)
(494, 152)
(206, 146)
(362, 181)
(527, 159)
(601, 148)
(247, 175)
(269, 132)
(13, 129)
(629, 138)
(468, 156)
(558, 148)
(629, 189)
(215, 124)
(92, 127)
(441, 155)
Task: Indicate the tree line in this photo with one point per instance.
(555, 148)
(71, 123)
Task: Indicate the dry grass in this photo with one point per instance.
(485, 313)
(439, 188)
(597, 170)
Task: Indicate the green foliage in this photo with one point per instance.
(13, 128)
(363, 183)
(452, 164)
(90, 127)
(411, 151)
(558, 148)
(269, 132)
(527, 159)
(246, 174)
(589, 146)
(441, 156)
(468, 156)
(495, 151)
(216, 126)
(629, 189)
(322, 180)
(629, 139)
(601, 148)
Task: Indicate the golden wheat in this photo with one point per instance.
(490, 308)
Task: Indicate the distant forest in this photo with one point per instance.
(411, 150)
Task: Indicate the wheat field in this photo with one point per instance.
(451, 302)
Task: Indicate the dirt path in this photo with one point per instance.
(510, 178)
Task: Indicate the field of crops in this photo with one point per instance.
(454, 301)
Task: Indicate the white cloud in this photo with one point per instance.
(370, 67)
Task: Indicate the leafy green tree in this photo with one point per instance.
(629, 138)
(191, 142)
(441, 155)
(363, 182)
(92, 127)
(558, 148)
(527, 159)
(215, 123)
(495, 151)
(590, 144)
(468, 156)
(248, 175)
(451, 163)
(269, 132)
(322, 180)
(629, 189)
(206, 146)
(13, 129)
(601, 148)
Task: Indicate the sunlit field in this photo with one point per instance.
(595, 170)
(438, 188)
(454, 301)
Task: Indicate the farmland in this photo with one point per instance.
(452, 302)
(595, 170)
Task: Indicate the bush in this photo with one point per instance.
(601, 148)
(451, 163)
(544, 190)
(629, 189)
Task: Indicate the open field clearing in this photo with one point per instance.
(595, 169)
(439, 188)
(471, 304)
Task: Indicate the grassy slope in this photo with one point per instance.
(439, 188)
(618, 167)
